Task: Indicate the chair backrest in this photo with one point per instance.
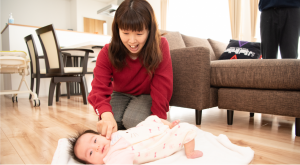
(34, 60)
(51, 49)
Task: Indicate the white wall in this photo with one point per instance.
(89, 8)
(64, 14)
(74, 15)
(37, 12)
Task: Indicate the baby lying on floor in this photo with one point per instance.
(150, 140)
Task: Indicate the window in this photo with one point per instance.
(200, 18)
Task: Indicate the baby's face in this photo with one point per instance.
(92, 148)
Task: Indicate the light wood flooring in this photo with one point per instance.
(29, 135)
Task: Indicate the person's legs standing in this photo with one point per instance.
(269, 33)
(119, 102)
(289, 23)
(137, 110)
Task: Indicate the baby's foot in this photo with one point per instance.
(194, 154)
(174, 123)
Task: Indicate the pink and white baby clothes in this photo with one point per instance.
(150, 140)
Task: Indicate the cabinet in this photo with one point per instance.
(93, 25)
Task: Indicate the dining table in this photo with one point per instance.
(75, 59)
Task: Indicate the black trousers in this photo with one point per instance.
(280, 27)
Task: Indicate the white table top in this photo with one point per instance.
(86, 45)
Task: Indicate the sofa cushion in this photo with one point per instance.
(237, 49)
(218, 47)
(258, 74)
(174, 38)
(277, 102)
(195, 41)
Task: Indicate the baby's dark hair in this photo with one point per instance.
(73, 140)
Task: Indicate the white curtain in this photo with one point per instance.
(249, 20)
(253, 16)
(235, 7)
(200, 18)
(211, 19)
(164, 4)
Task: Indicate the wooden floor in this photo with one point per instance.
(29, 135)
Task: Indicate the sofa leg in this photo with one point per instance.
(251, 114)
(297, 126)
(229, 117)
(198, 117)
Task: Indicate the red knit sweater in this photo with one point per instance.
(132, 80)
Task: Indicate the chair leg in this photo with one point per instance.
(57, 91)
(83, 88)
(69, 63)
(31, 86)
(51, 92)
(37, 88)
(72, 86)
(68, 89)
(198, 117)
(297, 126)
(251, 114)
(229, 117)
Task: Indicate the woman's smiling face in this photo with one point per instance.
(92, 148)
(134, 40)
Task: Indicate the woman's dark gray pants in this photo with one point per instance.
(130, 110)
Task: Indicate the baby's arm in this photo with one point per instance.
(190, 151)
(171, 125)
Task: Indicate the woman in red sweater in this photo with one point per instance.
(133, 77)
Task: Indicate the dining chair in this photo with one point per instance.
(36, 72)
(93, 62)
(76, 59)
(55, 63)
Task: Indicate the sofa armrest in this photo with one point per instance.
(191, 77)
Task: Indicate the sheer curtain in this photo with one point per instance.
(207, 19)
(200, 18)
(235, 8)
(164, 5)
(253, 16)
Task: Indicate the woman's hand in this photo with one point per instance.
(107, 125)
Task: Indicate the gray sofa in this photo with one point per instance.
(201, 81)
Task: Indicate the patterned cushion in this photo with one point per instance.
(238, 49)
